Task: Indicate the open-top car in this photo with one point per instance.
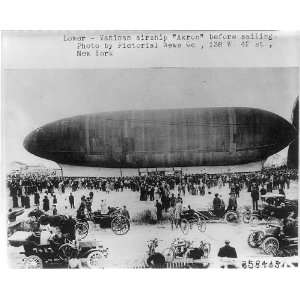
(181, 248)
(55, 243)
(229, 216)
(274, 206)
(114, 219)
(188, 218)
(276, 239)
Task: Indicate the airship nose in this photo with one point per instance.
(30, 142)
(58, 141)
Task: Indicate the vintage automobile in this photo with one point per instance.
(181, 248)
(190, 217)
(230, 216)
(119, 224)
(58, 250)
(37, 216)
(276, 239)
(274, 206)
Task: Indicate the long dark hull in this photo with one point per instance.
(163, 138)
(293, 153)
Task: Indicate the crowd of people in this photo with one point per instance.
(166, 191)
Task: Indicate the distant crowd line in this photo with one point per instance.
(159, 188)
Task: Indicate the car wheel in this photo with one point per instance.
(33, 262)
(82, 230)
(271, 246)
(67, 251)
(255, 239)
(95, 260)
(120, 225)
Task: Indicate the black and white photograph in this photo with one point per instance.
(142, 149)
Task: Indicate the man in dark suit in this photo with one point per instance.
(227, 251)
(217, 206)
(36, 198)
(125, 212)
(159, 209)
(255, 197)
(71, 200)
(27, 201)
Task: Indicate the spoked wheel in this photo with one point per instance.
(184, 226)
(95, 260)
(271, 246)
(82, 229)
(120, 225)
(201, 224)
(169, 254)
(67, 251)
(33, 262)
(231, 217)
(206, 249)
(255, 239)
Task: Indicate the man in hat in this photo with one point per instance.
(45, 203)
(54, 210)
(125, 212)
(159, 209)
(217, 205)
(71, 200)
(255, 197)
(227, 251)
(36, 198)
(88, 203)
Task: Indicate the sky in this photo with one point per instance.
(33, 98)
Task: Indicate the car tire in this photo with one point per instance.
(271, 246)
(94, 260)
(33, 262)
(255, 239)
(82, 230)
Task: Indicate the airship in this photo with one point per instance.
(216, 136)
(293, 152)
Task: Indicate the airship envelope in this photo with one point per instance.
(163, 138)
